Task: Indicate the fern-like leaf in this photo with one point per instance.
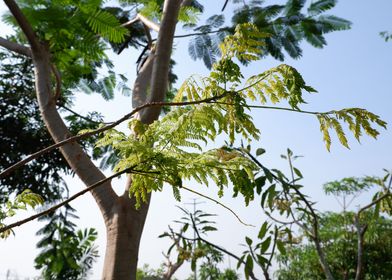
(107, 25)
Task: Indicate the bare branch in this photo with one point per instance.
(374, 202)
(148, 35)
(102, 129)
(280, 221)
(79, 115)
(132, 21)
(224, 5)
(200, 33)
(281, 109)
(251, 275)
(149, 23)
(15, 47)
(217, 202)
(273, 249)
(361, 230)
(119, 121)
(173, 267)
(57, 206)
(139, 17)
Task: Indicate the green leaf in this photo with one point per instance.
(265, 245)
(263, 230)
(297, 172)
(248, 266)
(260, 151)
(281, 247)
(107, 25)
(249, 241)
(320, 6)
(209, 228)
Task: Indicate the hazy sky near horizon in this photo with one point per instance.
(353, 70)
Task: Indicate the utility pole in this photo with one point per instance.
(195, 202)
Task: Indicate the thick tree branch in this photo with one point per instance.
(24, 24)
(142, 82)
(160, 71)
(15, 47)
(73, 153)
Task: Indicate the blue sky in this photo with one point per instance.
(353, 70)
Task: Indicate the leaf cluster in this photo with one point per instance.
(358, 121)
(286, 24)
(339, 239)
(73, 31)
(171, 150)
(66, 252)
(20, 202)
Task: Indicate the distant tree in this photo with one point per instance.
(356, 244)
(147, 273)
(339, 237)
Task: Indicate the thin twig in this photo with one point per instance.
(374, 202)
(81, 116)
(200, 33)
(224, 5)
(217, 202)
(279, 221)
(280, 108)
(64, 202)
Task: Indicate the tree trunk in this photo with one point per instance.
(124, 230)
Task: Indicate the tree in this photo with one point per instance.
(338, 233)
(353, 242)
(66, 37)
(146, 273)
